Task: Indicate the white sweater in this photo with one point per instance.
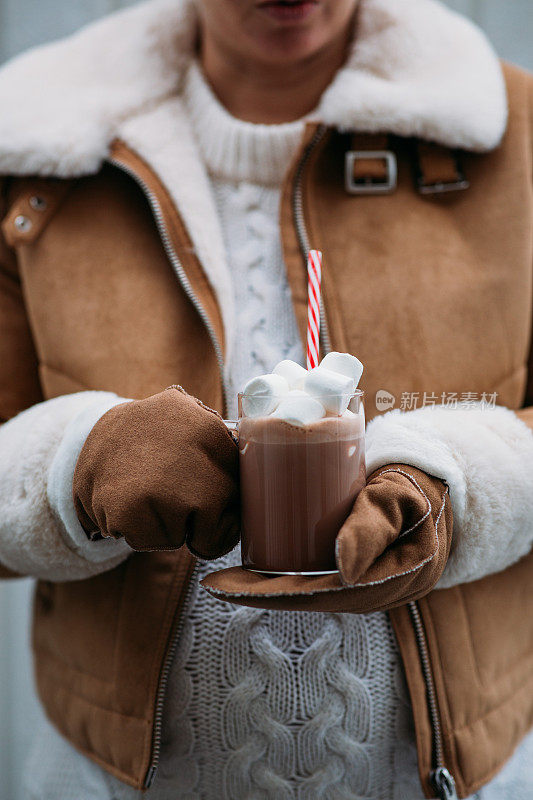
(246, 164)
(260, 704)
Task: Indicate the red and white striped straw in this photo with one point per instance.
(314, 275)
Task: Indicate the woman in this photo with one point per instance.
(165, 171)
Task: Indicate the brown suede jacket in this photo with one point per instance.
(417, 270)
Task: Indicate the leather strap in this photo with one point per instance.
(374, 169)
(438, 169)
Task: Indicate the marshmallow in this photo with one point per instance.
(345, 364)
(332, 389)
(302, 410)
(261, 395)
(293, 373)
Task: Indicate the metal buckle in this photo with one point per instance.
(440, 188)
(368, 185)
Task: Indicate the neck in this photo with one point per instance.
(262, 93)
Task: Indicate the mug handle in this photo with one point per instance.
(233, 427)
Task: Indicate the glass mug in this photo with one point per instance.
(298, 485)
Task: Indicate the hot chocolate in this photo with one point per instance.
(298, 485)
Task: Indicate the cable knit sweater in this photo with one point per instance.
(265, 704)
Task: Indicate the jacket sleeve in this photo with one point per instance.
(485, 455)
(38, 446)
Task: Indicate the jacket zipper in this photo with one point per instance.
(441, 779)
(184, 281)
(176, 265)
(163, 681)
(299, 219)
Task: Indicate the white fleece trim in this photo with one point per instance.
(419, 69)
(416, 68)
(485, 455)
(32, 537)
(59, 486)
(62, 102)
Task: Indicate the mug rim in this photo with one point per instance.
(356, 393)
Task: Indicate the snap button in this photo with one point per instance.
(23, 223)
(38, 203)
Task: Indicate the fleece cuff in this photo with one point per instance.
(485, 455)
(59, 486)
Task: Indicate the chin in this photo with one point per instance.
(284, 48)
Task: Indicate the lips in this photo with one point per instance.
(288, 10)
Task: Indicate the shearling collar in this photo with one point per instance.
(416, 68)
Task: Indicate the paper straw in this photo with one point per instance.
(314, 275)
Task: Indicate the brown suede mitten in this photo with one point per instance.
(160, 472)
(392, 549)
(394, 503)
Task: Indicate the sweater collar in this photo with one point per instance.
(232, 149)
(416, 69)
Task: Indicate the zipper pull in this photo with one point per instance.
(444, 784)
(150, 777)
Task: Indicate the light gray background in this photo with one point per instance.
(24, 23)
